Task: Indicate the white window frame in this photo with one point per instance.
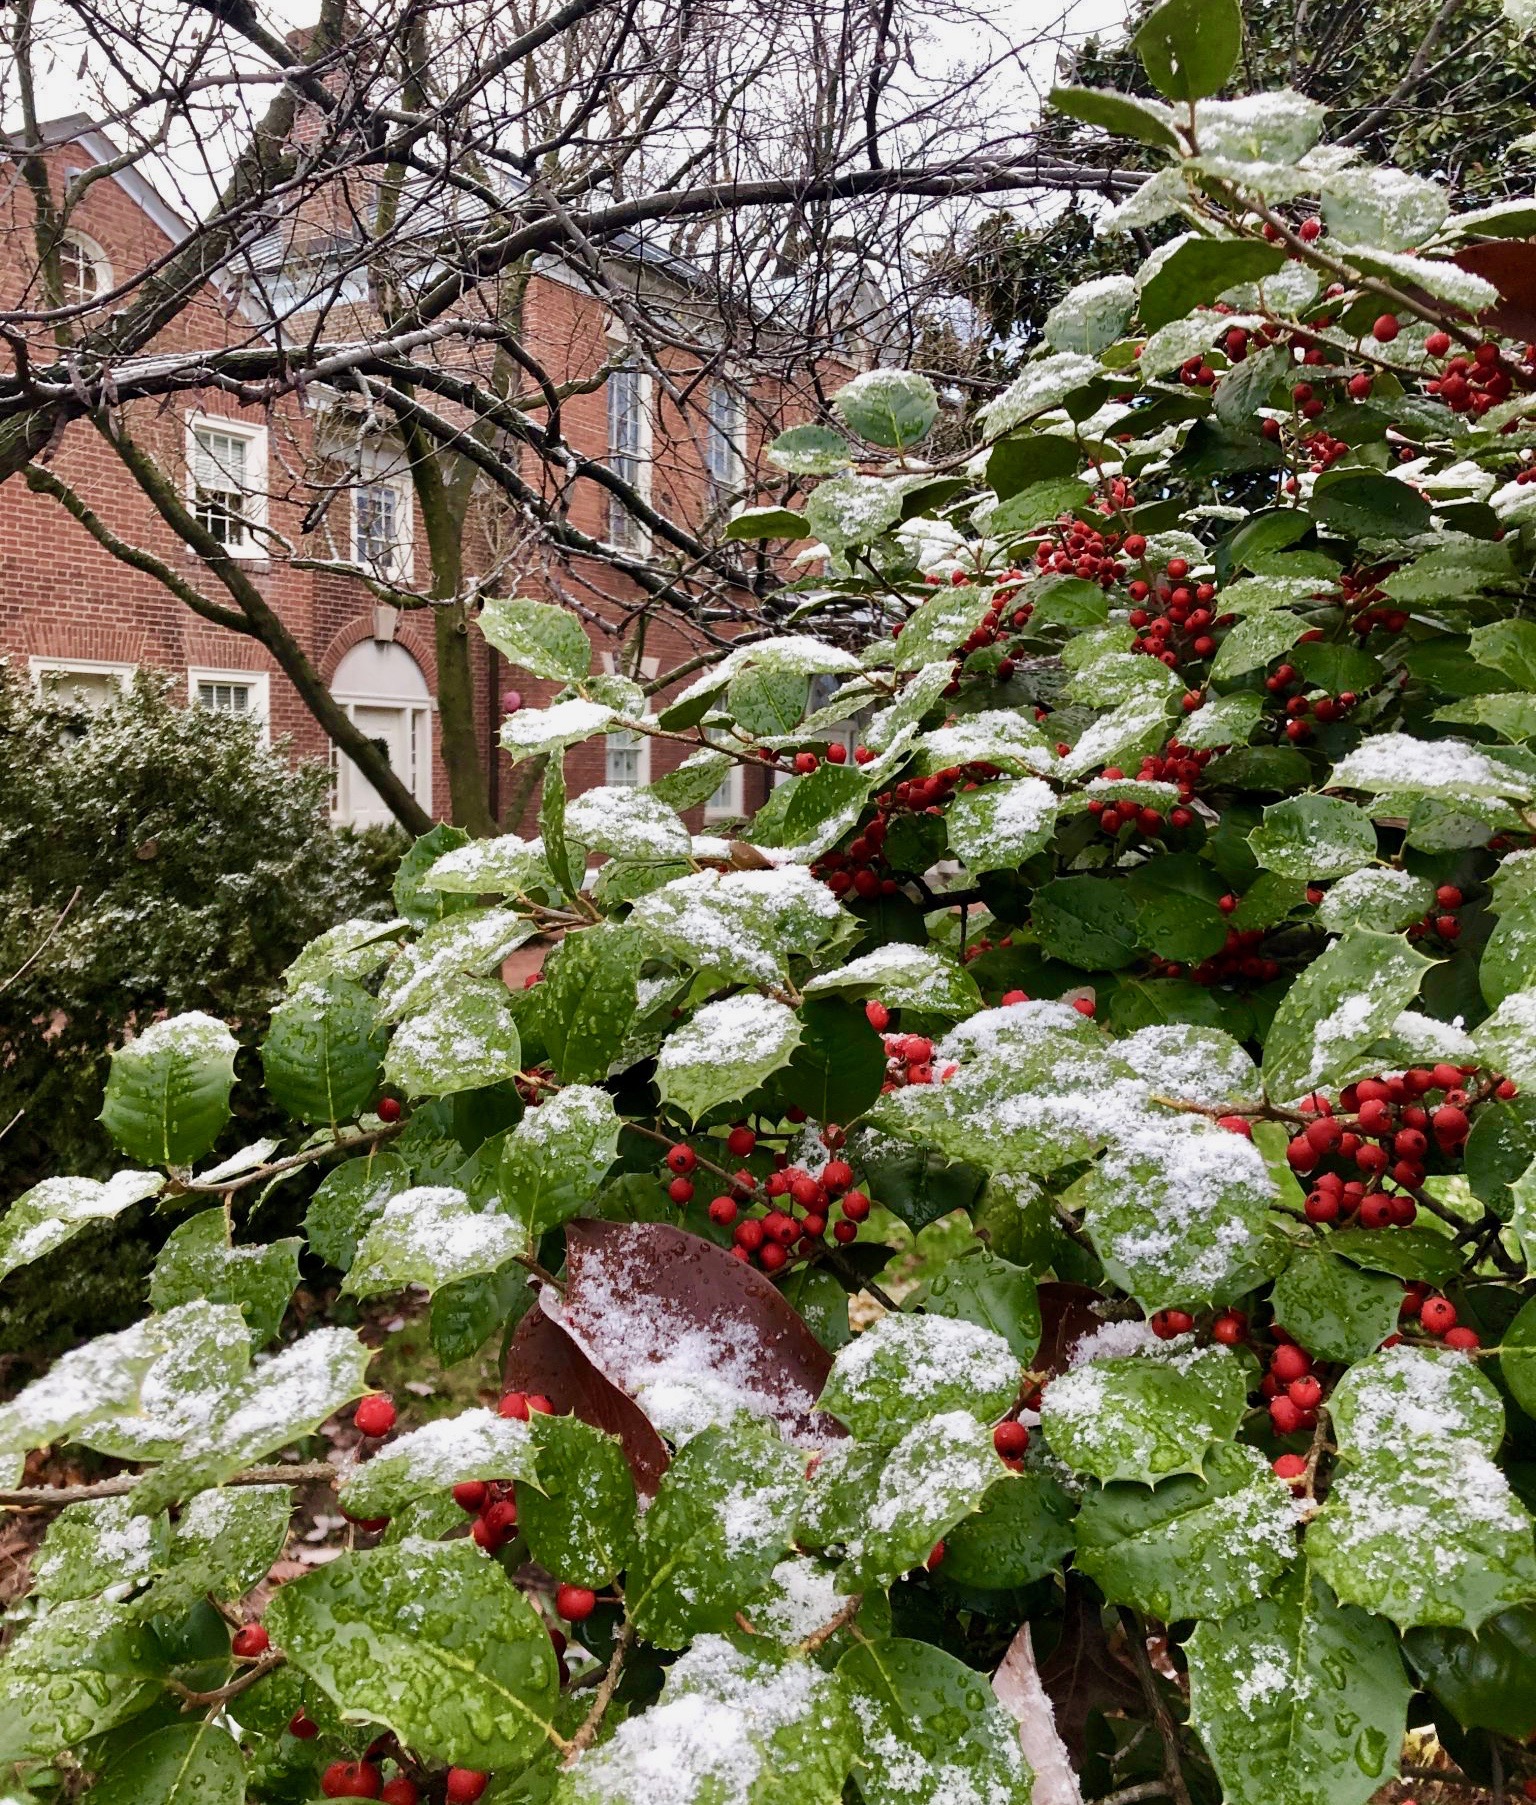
(623, 528)
(725, 444)
(41, 667)
(100, 262)
(258, 682)
(642, 764)
(735, 805)
(250, 544)
(383, 470)
(418, 780)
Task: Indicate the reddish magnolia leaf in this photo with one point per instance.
(1084, 1676)
(543, 1358)
(690, 1333)
(1067, 1314)
(1510, 265)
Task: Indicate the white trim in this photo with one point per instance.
(384, 469)
(258, 682)
(724, 487)
(41, 666)
(254, 487)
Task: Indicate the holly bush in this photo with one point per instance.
(1166, 934)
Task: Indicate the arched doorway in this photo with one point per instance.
(383, 691)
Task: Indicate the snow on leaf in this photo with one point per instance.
(506, 864)
(1402, 1397)
(475, 1444)
(1045, 383)
(1384, 207)
(908, 1368)
(904, 976)
(724, 1051)
(56, 1210)
(1278, 127)
(626, 823)
(434, 966)
(430, 1236)
(466, 1040)
(1091, 316)
(532, 731)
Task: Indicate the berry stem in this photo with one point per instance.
(818, 1638)
(593, 1721)
(1173, 1772)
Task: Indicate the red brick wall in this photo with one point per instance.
(64, 596)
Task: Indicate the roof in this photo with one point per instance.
(81, 130)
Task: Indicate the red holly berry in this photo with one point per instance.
(1290, 1362)
(1437, 344)
(741, 1140)
(837, 753)
(1359, 386)
(1437, 1314)
(1448, 897)
(1230, 1328)
(773, 1257)
(351, 1780)
(470, 1496)
(1305, 1393)
(1459, 1336)
(375, 1415)
(877, 1015)
(837, 1177)
(465, 1785)
(249, 1641)
(722, 1212)
(680, 1190)
(1385, 328)
(1285, 1415)
(1010, 1439)
(400, 1791)
(1289, 1466)
(935, 1556)
(389, 1109)
(1166, 1324)
(682, 1159)
(856, 1206)
(1236, 1125)
(1085, 1006)
(518, 1404)
(302, 1726)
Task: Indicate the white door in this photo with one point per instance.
(383, 691)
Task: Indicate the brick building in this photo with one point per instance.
(319, 505)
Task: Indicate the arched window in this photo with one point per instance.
(84, 269)
(385, 694)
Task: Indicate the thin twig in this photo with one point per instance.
(242, 1682)
(593, 1721)
(1173, 1773)
(41, 947)
(819, 1638)
(386, 1131)
(1133, 1795)
(55, 1497)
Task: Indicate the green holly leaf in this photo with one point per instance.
(1268, 1690)
(56, 1210)
(1488, 1680)
(936, 1475)
(465, 1041)
(554, 1160)
(1253, 643)
(322, 1053)
(198, 1260)
(1517, 1358)
(1127, 116)
(890, 408)
(1176, 1209)
(74, 1674)
(904, 977)
(1400, 1396)
(287, 1396)
(203, 1352)
(1377, 897)
(179, 1764)
(844, 1486)
(1000, 825)
(505, 866)
(1332, 1308)
(1148, 1414)
(1192, 1546)
(1437, 1538)
(1345, 1000)
(431, 1236)
(433, 967)
(579, 1517)
(1199, 270)
(475, 1444)
(722, 1519)
(768, 523)
(92, 1547)
(725, 1051)
(416, 902)
(225, 1542)
(1022, 1532)
(430, 1639)
(538, 637)
(627, 823)
(931, 1731)
(850, 510)
(1314, 837)
(167, 1096)
(1086, 921)
(908, 1368)
(810, 451)
(743, 926)
(348, 1201)
(1506, 1040)
(1420, 1252)
(980, 1287)
(731, 1724)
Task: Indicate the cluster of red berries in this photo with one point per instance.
(1436, 1316)
(909, 1060)
(365, 1780)
(1469, 384)
(1178, 767)
(862, 868)
(1239, 961)
(1181, 631)
(1367, 603)
(1387, 1130)
(1286, 682)
(1078, 548)
(1441, 919)
(1291, 1389)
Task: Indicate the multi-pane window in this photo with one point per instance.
(227, 698)
(76, 685)
(726, 803)
(724, 438)
(83, 271)
(627, 436)
(625, 759)
(376, 513)
(223, 484)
